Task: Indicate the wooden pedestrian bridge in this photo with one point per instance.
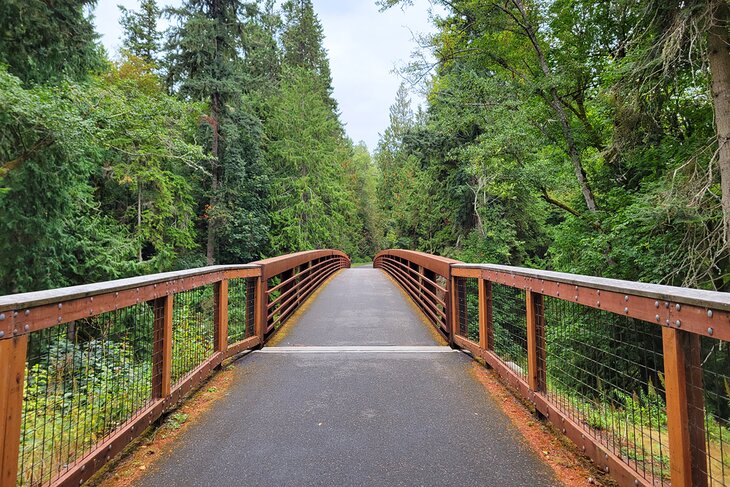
(370, 382)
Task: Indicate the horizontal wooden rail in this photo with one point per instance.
(418, 274)
(298, 276)
(429, 303)
(421, 278)
(24, 316)
(697, 311)
(300, 291)
(683, 315)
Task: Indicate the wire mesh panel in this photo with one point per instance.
(715, 390)
(192, 330)
(605, 371)
(509, 325)
(240, 293)
(468, 295)
(83, 380)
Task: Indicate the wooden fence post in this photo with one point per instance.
(536, 373)
(162, 347)
(489, 318)
(13, 353)
(221, 315)
(452, 306)
(685, 408)
(260, 306)
(483, 325)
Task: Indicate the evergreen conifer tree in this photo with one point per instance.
(302, 40)
(141, 37)
(42, 41)
(204, 64)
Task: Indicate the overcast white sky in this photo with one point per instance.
(364, 46)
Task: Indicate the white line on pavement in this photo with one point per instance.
(358, 349)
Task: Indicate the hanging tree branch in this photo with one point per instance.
(559, 204)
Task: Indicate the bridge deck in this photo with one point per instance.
(352, 416)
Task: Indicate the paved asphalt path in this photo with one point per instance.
(342, 416)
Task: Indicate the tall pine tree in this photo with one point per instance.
(302, 40)
(141, 37)
(42, 41)
(204, 63)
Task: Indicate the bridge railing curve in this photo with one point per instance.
(85, 369)
(425, 278)
(636, 375)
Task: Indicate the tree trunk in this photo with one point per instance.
(718, 46)
(139, 217)
(575, 157)
(557, 105)
(216, 107)
(214, 118)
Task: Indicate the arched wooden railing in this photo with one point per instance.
(426, 279)
(637, 375)
(290, 279)
(85, 369)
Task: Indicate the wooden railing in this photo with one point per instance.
(426, 279)
(637, 375)
(86, 369)
(290, 279)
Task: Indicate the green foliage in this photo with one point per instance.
(361, 178)
(85, 379)
(141, 36)
(55, 233)
(310, 202)
(88, 382)
(95, 178)
(44, 41)
(492, 151)
(104, 174)
(176, 420)
(301, 39)
(149, 152)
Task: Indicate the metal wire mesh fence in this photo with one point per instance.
(605, 371)
(192, 330)
(509, 324)
(468, 296)
(83, 380)
(713, 385)
(594, 363)
(240, 303)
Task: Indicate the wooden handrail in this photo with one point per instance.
(398, 262)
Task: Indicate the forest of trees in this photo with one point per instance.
(572, 135)
(216, 140)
